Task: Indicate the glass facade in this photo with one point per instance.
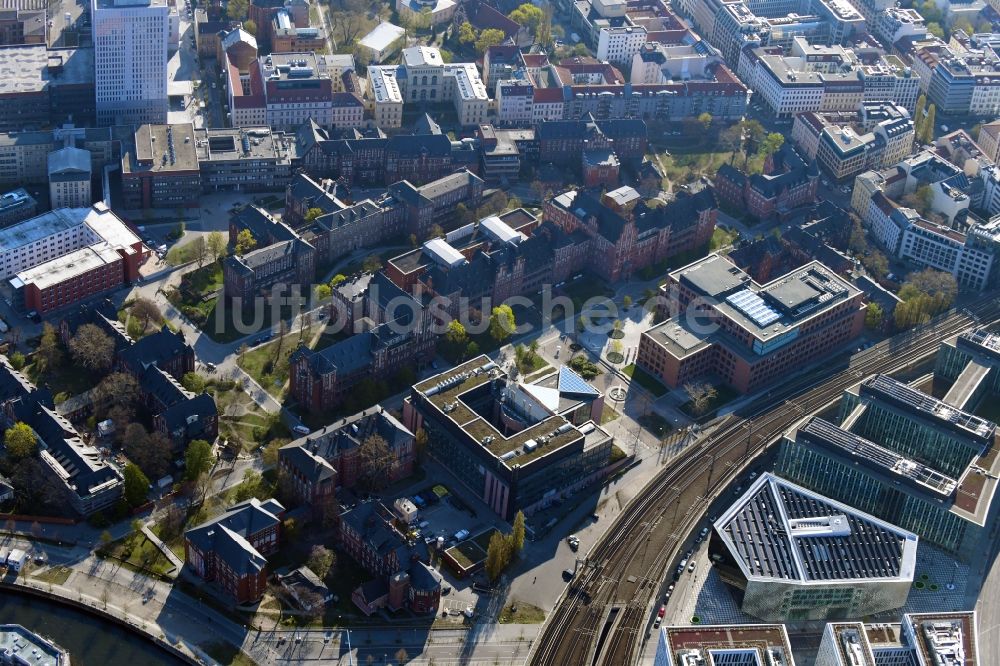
(853, 485)
(900, 432)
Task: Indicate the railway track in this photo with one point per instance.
(605, 611)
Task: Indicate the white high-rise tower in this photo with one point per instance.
(130, 60)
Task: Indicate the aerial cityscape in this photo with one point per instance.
(500, 332)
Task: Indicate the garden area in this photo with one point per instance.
(136, 552)
(268, 364)
(645, 380)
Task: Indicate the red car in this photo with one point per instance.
(662, 611)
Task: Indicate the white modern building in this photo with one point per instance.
(619, 44)
(130, 60)
(797, 555)
(384, 40)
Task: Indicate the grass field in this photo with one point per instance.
(645, 380)
(268, 364)
(138, 553)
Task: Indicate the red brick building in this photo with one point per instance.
(231, 550)
(625, 234)
(788, 182)
(725, 326)
(329, 457)
(100, 253)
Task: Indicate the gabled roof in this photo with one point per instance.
(227, 535)
(155, 349)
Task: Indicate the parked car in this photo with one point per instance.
(574, 542)
(567, 575)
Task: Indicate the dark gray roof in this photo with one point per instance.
(778, 530)
(227, 535)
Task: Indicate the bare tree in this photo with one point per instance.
(146, 311)
(199, 248)
(376, 462)
(701, 394)
(92, 348)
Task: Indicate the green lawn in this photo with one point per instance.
(722, 238)
(138, 553)
(268, 364)
(645, 380)
(587, 287)
(608, 415)
(180, 254)
(55, 575)
(517, 612)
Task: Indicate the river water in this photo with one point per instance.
(90, 640)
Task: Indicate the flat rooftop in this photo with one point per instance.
(780, 531)
(770, 309)
(225, 144)
(944, 639)
(69, 266)
(822, 432)
(32, 68)
(678, 337)
(768, 642)
(29, 646)
(928, 408)
(851, 643)
(453, 394)
(161, 149)
(293, 66)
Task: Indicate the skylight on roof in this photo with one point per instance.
(753, 306)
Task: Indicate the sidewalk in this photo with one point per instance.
(169, 554)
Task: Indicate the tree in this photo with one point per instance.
(527, 16)
(876, 263)
(20, 441)
(771, 144)
(312, 214)
(146, 311)
(858, 243)
(498, 555)
(502, 323)
(118, 390)
(193, 382)
(372, 263)
(927, 128)
(237, 9)
(199, 250)
(932, 282)
(92, 348)
(50, 352)
(455, 334)
(250, 26)
(705, 119)
(17, 360)
(471, 349)
(701, 394)
(436, 231)
(376, 461)
(197, 459)
(466, 33)
(626, 301)
(338, 280)
(136, 485)
(919, 113)
(873, 316)
(216, 245)
(245, 242)
(487, 38)
(321, 561)
(935, 29)
(517, 535)
(322, 292)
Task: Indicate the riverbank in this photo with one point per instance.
(100, 609)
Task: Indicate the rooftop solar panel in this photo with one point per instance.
(753, 306)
